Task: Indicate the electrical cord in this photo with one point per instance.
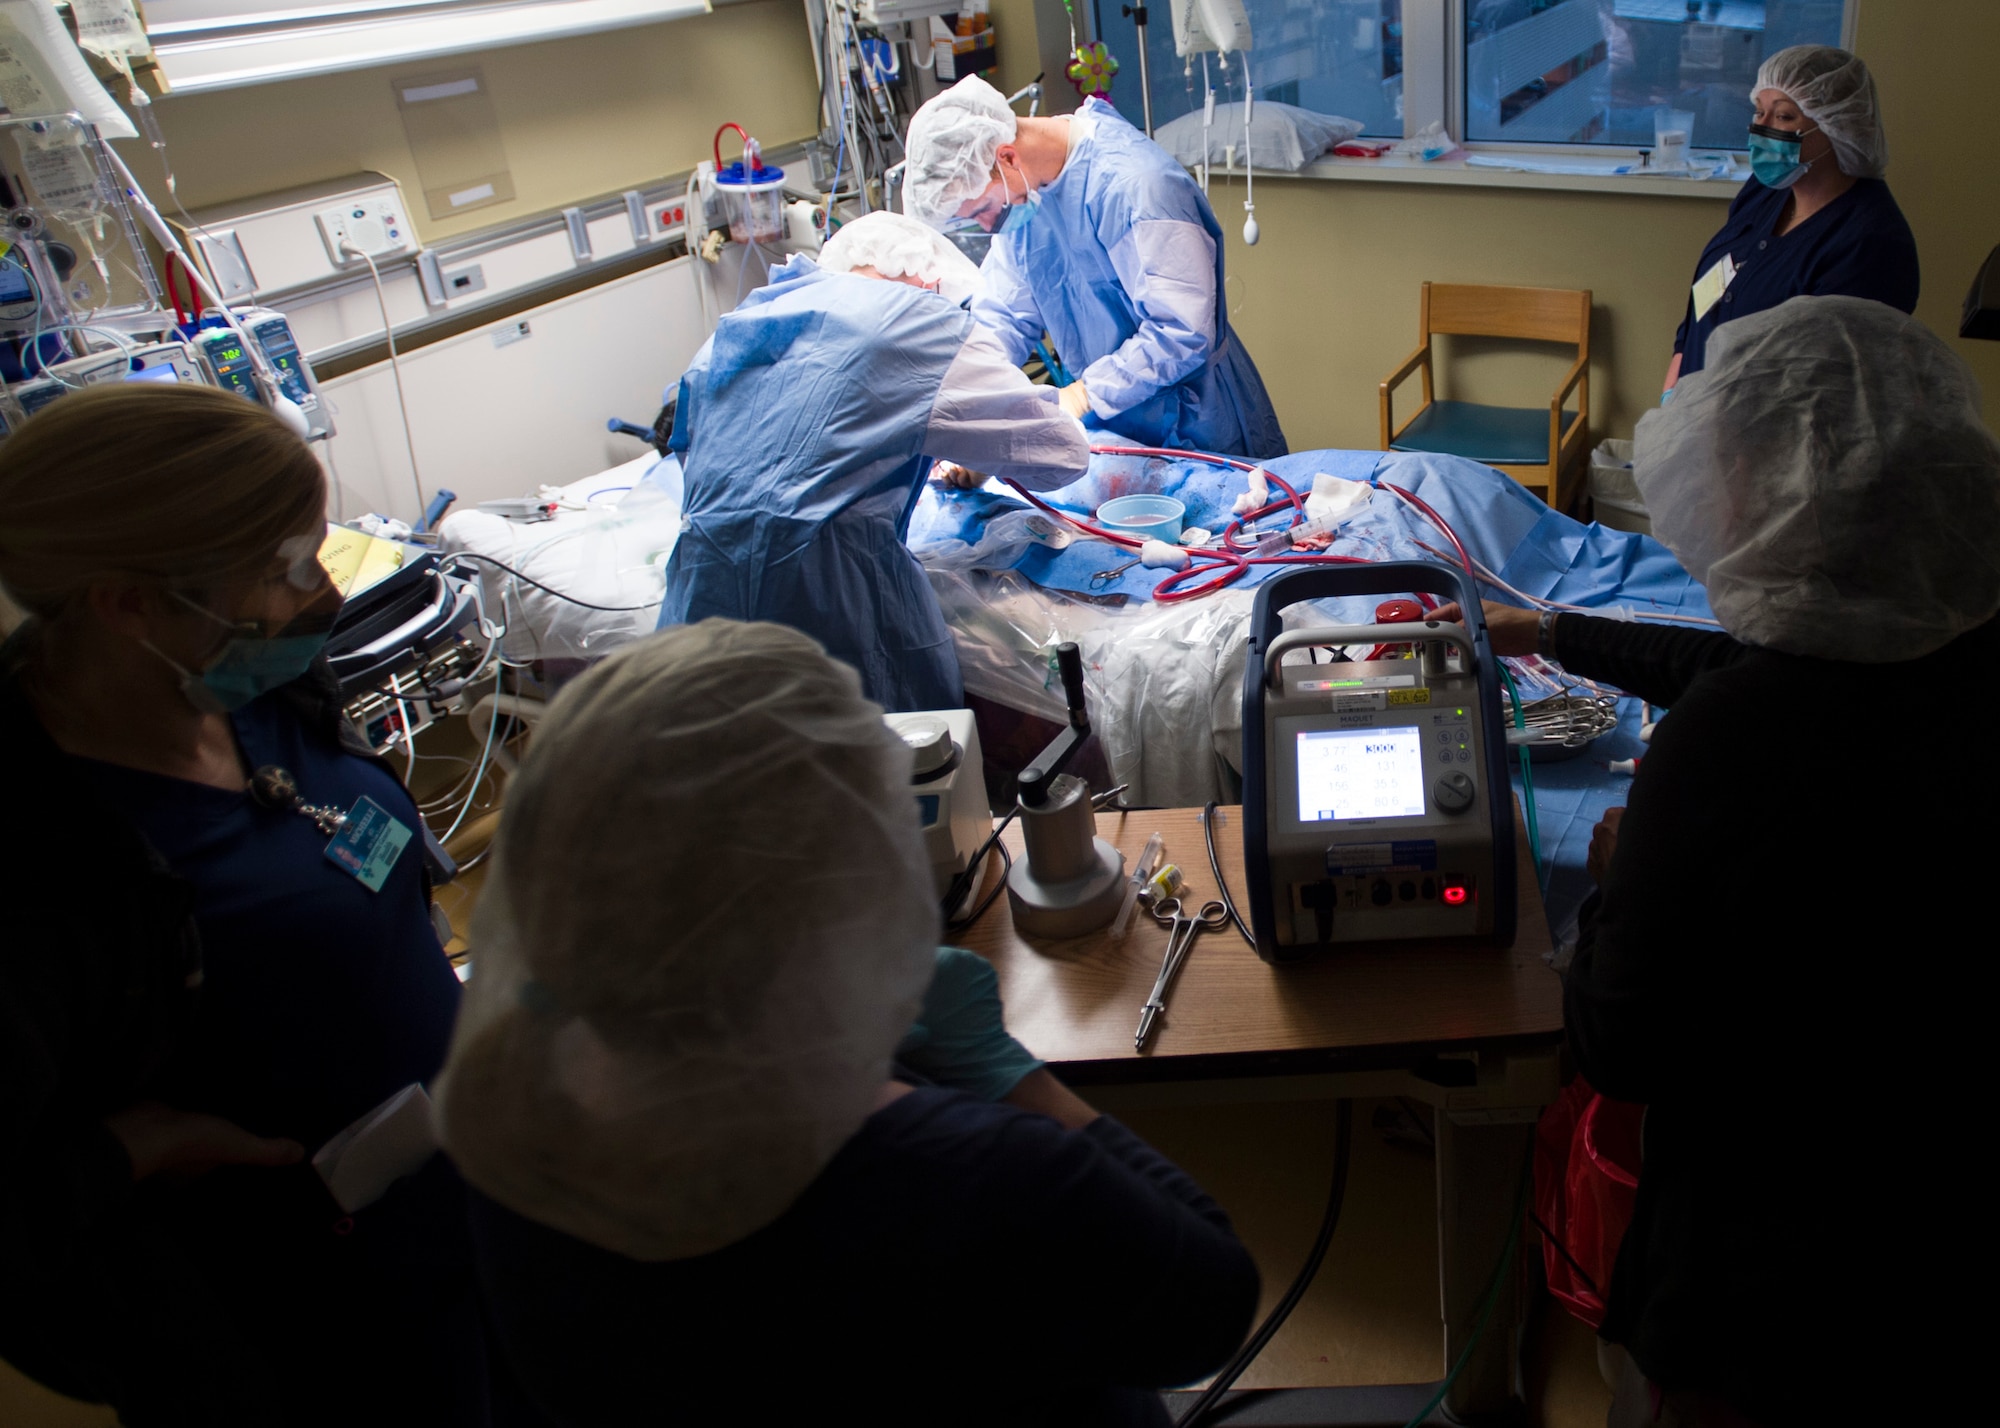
(348, 245)
(1343, 1131)
(1555, 1242)
(1007, 866)
(961, 885)
(1215, 867)
(546, 589)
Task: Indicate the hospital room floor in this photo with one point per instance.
(1371, 1315)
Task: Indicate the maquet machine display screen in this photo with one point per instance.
(1360, 773)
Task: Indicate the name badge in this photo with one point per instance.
(1710, 286)
(368, 845)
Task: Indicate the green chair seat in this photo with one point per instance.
(1513, 436)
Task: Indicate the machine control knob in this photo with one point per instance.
(931, 746)
(1380, 893)
(1453, 792)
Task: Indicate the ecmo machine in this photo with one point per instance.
(1376, 805)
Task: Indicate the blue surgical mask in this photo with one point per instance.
(1774, 156)
(250, 664)
(1019, 215)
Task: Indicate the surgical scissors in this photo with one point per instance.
(1107, 577)
(1212, 917)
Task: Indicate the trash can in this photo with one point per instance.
(1614, 494)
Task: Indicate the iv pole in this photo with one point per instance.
(1138, 14)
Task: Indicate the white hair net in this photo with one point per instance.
(896, 246)
(708, 921)
(1827, 476)
(1833, 89)
(951, 149)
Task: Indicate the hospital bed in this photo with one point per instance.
(1163, 676)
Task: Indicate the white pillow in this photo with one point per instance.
(1282, 136)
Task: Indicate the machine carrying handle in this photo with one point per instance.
(1405, 634)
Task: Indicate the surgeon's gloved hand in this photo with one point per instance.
(960, 478)
(1075, 401)
(959, 1039)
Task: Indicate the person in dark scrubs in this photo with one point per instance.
(1752, 947)
(202, 984)
(745, 1143)
(1816, 219)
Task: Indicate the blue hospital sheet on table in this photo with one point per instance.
(1540, 552)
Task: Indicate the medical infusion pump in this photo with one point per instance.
(1376, 805)
(213, 356)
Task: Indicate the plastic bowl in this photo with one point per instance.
(1144, 517)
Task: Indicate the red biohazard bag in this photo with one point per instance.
(1586, 1178)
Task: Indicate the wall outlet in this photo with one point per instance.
(375, 225)
(459, 281)
(665, 217)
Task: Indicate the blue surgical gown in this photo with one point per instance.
(1122, 266)
(1857, 246)
(801, 429)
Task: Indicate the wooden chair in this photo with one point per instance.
(1546, 451)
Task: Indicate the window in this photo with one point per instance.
(1341, 57)
(1493, 72)
(1600, 71)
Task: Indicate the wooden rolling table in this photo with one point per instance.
(1471, 1029)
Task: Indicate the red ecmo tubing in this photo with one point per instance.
(1229, 564)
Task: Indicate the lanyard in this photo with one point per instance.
(274, 788)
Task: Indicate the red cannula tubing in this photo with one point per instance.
(1227, 565)
(741, 133)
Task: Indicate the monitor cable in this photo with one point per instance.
(352, 249)
(474, 556)
(1343, 1142)
(1208, 815)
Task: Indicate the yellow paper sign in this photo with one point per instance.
(358, 561)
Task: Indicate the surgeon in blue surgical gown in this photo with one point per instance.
(1109, 245)
(806, 427)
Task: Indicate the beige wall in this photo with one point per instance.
(579, 117)
(1327, 301)
(1933, 62)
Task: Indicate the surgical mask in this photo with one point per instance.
(251, 664)
(1774, 156)
(1019, 215)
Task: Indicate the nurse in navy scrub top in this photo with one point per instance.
(196, 991)
(1816, 220)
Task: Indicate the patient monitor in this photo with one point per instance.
(1376, 805)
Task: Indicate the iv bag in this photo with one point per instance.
(71, 226)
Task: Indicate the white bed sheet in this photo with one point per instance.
(607, 545)
(1162, 681)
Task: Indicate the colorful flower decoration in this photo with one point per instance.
(1092, 69)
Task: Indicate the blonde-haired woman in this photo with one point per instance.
(194, 995)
